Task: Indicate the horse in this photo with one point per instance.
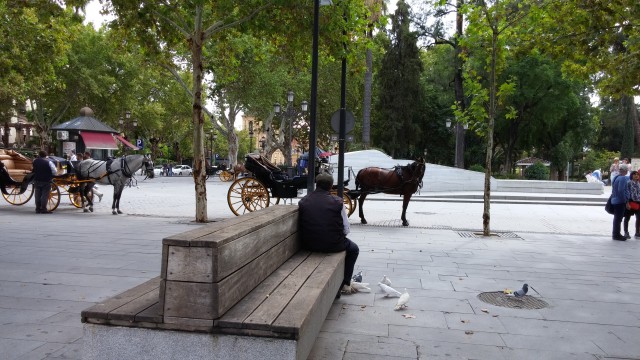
(401, 180)
(238, 171)
(116, 172)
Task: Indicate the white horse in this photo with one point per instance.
(116, 172)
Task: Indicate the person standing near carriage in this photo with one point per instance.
(94, 187)
(324, 227)
(43, 173)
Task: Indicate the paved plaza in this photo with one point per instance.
(54, 266)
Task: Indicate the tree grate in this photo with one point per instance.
(479, 235)
(499, 298)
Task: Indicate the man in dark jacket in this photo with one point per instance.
(324, 226)
(43, 172)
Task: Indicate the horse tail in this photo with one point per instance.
(358, 177)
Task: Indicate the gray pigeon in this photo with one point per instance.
(522, 292)
(357, 277)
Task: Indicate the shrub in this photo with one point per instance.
(477, 167)
(536, 171)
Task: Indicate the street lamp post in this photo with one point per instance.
(250, 136)
(290, 113)
(459, 131)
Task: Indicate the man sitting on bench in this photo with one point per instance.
(324, 226)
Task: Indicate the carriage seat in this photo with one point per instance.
(17, 171)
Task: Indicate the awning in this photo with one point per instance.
(126, 143)
(96, 140)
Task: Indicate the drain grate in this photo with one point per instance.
(504, 235)
(499, 298)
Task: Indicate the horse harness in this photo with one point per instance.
(124, 167)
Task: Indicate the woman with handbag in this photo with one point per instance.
(633, 204)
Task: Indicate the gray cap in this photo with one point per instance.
(324, 177)
(624, 167)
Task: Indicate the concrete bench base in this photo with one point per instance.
(116, 342)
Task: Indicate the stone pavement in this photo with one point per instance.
(54, 266)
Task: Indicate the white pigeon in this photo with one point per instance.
(360, 287)
(389, 291)
(402, 301)
(385, 280)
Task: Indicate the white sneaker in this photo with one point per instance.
(100, 197)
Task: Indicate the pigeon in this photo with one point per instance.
(521, 292)
(385, 280)
(389, 291)
(360, 287)
(402, 301)
(357, 277)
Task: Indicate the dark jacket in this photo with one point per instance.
(321, 226)
(42, 170)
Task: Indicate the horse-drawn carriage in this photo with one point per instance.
(267, 183)
(224, 173)
(75, 180)
(16, 177)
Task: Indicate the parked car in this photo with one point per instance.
(158, 170)
(182, 170)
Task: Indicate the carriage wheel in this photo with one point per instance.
(247, 195)
(347, 201)
(226, 176)
(354, 205)
(54, 198)
(14, 197)
(76, 198)
(255, 194)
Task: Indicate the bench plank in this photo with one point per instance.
(101, 310)
(129, 310)
(203, 236)
(237, 285)
(186, 263)
(268, 311)
(152, 314)
(305, 303)
(235, 317)
(244, 249)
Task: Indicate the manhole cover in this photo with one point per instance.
(499, 298)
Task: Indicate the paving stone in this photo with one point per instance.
(449, 350)
(574, 343)
(416, 333)
(378, 349)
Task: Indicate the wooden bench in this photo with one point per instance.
(240, 288)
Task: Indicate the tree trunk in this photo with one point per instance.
(366, 108)
(199, 173)
(486, 215)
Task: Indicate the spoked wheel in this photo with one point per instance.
(14, 197)
(247, 195)
(54, 198)
(349, 203)
(76, 198)
(225, 176)
(255, 194)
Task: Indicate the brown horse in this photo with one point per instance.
(401, 180)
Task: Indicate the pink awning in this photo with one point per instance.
(96, 140)
(126, 143)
